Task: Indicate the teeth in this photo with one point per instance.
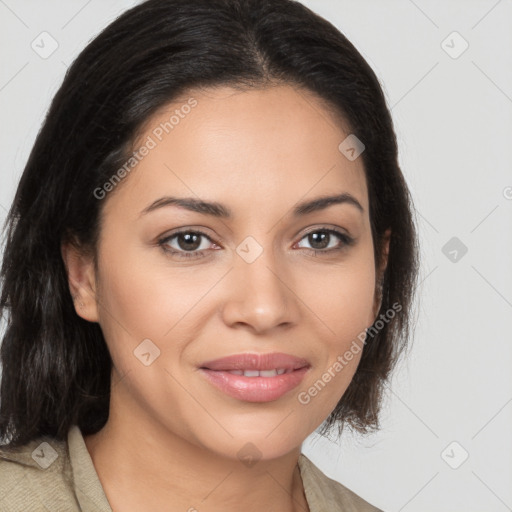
(257, 373)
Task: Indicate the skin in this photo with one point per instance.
(171, 440)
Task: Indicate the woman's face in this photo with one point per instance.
(269, 278)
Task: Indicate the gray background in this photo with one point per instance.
(452, 397)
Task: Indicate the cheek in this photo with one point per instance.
(145, 297)
(342, 300)
(126, 298)
(341, 297)
(346, 301)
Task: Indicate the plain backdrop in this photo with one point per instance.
(446, 69)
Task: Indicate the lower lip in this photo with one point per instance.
(255, 389)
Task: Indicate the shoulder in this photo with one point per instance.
(324, 493)
(36, 476)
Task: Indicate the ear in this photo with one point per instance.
(81, 279)
(381, 268)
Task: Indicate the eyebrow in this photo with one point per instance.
(219, 210)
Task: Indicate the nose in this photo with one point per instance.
(260, 295)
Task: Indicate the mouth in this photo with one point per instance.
(256, 377)
(259, 373)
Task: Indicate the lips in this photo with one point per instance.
(256, 377)
(247, 361)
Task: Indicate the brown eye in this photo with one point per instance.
(186, 244)
(327, 240)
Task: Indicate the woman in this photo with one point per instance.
(211, 253)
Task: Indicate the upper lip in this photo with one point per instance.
(254, 361)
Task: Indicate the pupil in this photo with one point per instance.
(324, 239)
(191, 241)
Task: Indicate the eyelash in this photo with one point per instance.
(345, 239)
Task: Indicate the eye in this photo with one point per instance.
(186, 244)
(323, 240)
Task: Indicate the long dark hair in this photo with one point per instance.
(56, 367)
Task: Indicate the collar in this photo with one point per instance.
(88, 489)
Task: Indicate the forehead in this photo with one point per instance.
(249, 149)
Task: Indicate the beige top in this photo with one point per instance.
(59, 476)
